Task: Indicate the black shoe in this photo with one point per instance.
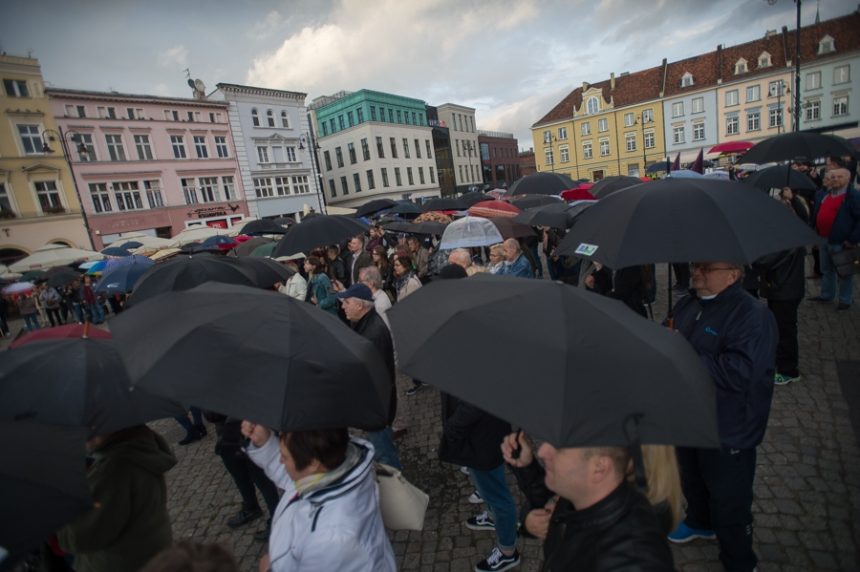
(201, 430)
(191, 437)
(243, 517)
(842, 306)
(819, 299)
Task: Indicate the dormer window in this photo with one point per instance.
(826, 45)
(764, 60)
(687, 79)
(741, 67)
(593, 106)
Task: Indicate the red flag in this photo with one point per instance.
(676, 166)
(698, 165)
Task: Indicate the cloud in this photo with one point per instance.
(177, 56)
(268, 25)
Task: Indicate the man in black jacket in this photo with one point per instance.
(357, 302)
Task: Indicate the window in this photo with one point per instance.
(629, 119)
(291, 153)
(82, 111)
(282, 186)
(774, 88)
(649, 140)
(840, 105)
(211, 117)
(648, 115)
(343, 186)
(350, 147)
(602, 126)
(115, 148)
(30, 139)
(359, 113)
(678, 134)
(393, 144)
(753, 93)
(285, 120)
(774, 116)
(270, 118)
(764, 60)
(432, 175)
(153, 194)
(409, 177)
(753, 120)
(100, 197)
(263, 187)
(380, 148)
(399, 116)
(338, 155)
(564, 153)
(16, 88)
(332, 189)
(86, 140)
(373, 113)
(678, 109)
(190, 115)
(547, 155)
(356, 181)
(229, 188)
(200, 147)
(49, 196)
(384, 172)
(390, 115)
(221, 147)
(130, 112)
(324, 128)
(593, 106)
(327, 159)
(813, 110)
(349, 118)
(741, 66)
(547, 137)
(732, 125)
(429, 149)
(586, 150)
(405, 148)
(698, 131)
(604, 147)
(630, 141)
(421, 175)
(331, 125)
(731, 98)
(397, 180)
(417, 149)
(262, 154)
(585, 128)
(301, 185)
(826, 45)
(813, 80)
(841, 74)
(174, 115)
(698, 105)
(144, 150)
(255, 118)
(687, 79)
(209, 189)
(414, 118)
(371, 184)
(365, 150)
(460, 167)
(127, 195)
(178, 145)
(562, 133)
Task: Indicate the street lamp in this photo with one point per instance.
(467, 145)
(548, 140)
(52, 135)
(315, 167)
(642, 121)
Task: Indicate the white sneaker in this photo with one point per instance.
(475, 498)
(464, 470)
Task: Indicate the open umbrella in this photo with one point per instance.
(317, 231)
(53, 255)
(255, 355)
(584, 395)
(405, 208)
(195, 234)
(684, 174)
(115, 251)
(284, 220)
(266, 272)
(444, 204)
(730, 147)
(529, 201)
(264, 226)
(373, 207)
(470, 231)
(185, 272)
(554, 215)
(470, 199)
(86, 330)
(608, 185)
(494, 208)
(121, 278)
(787, 146)
(658, 167)
(423, 227)
(580, 193)
(247, 247)
(60, 276)
(509, 228)
(780, 176)
(43, 484)
(685, 220)
(219, 242)
(131, 244)
(542, 184)
(265, 249)
(18, 288)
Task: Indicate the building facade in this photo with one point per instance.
(500, 164)
(38, 202)
(150, 164)
(274, 150)
(527, 163)
(460, 121)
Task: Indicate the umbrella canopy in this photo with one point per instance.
(145, 240)
(444, 204)
(18, 288)
(131, 244)
(657, 167)
(266, 272)
(54, 255)
(43, 483)
(60, 276)
(98, 267)
(554, 215)
(423, 227)
(470, 199)
(374, 206)
(787, 146)
(580, 193)
(317, 231)
(284, 220)
(542, 184)
(264, 226)
(195, 234)
(529, 201)
(164, 254)
(265, 249)
(434, 216)
(684, 174)
(470, 231)
(780, 176)
(79, 382)
(255, 355)
(219, 242)
(509, 228)
(494, 208)
(685, 220)
(185, 272)
(730, 147)
(584, 394)
(608, 185)
(405, 208)
(115, 251)
(247, 247)
(121, 278)
(86, 330)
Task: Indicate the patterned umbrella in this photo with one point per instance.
(494, 208)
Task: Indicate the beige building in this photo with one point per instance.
(38, 200)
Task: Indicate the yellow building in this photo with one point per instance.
(38, 201)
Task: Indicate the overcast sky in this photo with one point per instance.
(512, 60)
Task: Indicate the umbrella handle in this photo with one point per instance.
(515, 453)
(631, 431)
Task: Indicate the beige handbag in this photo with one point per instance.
(402, 504)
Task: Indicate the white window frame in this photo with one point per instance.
(630, 141)
(605, 150)
(562, 133)
(208, 189)
(221, 148)
(840, 105)
(687, 80)
(733, 124)
(262, 154)
(678, 109)
(50, 191)
(116, 150)
(177, 142)
(697, 105)
(699, 131)
(754, 120)
(592, 105)
(813, 110)
(200, 148)
(679, 135)
(564, 154)
(33, 137)
(842, 77)
(602, 125)
(127, 195)
(143, 147)
(100, 198)
(753, 93)
(650, 139)
(732, 98)
(585, 127)
(813, 80)
(152, 189)
(587, 150)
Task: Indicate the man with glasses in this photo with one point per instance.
(735, 337)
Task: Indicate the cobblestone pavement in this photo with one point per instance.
(807, 490)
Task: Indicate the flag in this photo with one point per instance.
(698, 165)
(676, 166)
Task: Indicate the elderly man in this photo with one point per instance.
(372, 278)
(836, 216)
(516, 264)
(357, 258)
(357, 302)
(460, 257)
(735, 337)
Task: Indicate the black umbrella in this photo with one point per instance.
(43, 484)
(184, 272)
(60, 276)
(508, 228)
(424, 227)
(255, 355)
(658, 167)
(80, 382)
(266, 272)
(529, 201)
(317, 231)
(685, 220)
(284, 220)
(555, 215)
(444, 204)
(247, 247)
(787, 146)
(264, 226)
(470, 199)
(779, 176)
(542, 184)
(608, 185)
(131, 244)
(405, 208)
(600, 363)
(374, 206)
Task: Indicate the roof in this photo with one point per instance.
(117, 96)
(235, 87)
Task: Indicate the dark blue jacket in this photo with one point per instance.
(735, 335)
(847, 223)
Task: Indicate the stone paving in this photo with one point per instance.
(807, 490)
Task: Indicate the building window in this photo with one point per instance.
(841, 74)
(547, 155)
(405, 148)
(417, 149)
(384, 172)
(421, 175)
(350, 147)
(324, 128)
(393, 143)
(373, 113)
(365, 150)
(460, 167)
(648, 115)
(391, 115)
(221, 147)
(698, 131)
(826, 45)
(629, 119)
(338, 156)
(115, 148)
(229, 188)
(813, 80)
(255, 118)
(687, 79)
(190, 115)
(282, 186)
(359, 114)
(49, 196)
(731, 98)
(593, 106)
(327, 159)
(409, 177)
(604, 147)
(144, 150)
(153, 194)
(764, 60)
(678, 109)
(678, 134)
(127, 195)
(547, 138)
(209, 189)
(371, 184)
(332, 189)
(840, 106)
(562, 133)
(380, 148)
(349, 119)
(82, 111)
(356, 181)
(732, 125)
(270, 118)
(397, 179)
(178, 145)
(753, 120)
(200, 147)
(630, 141)
(650, 140)
(31, 141)
(16, 88)
(262, 154)
(813, 110)
(698, 105)
(285, 120)
(343, 186)
(741, 66)
(432, 175)
(774, 115)
(291, 153)
(602, 126)
(89, 152)
(429, 149)
(774, 88)
(301, 185)
(331, 125)
(399, 116)
(586, 150)
(753, 93)
(564, 154)
(263, 187)
(585, 128)
(100, 197)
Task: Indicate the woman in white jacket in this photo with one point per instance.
(328, 517)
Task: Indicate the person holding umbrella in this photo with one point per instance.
(319, 285)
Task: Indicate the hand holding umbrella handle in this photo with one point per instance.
(256, 433)
(516, 451)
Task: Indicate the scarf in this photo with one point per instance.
(318, 481)
(401, 281)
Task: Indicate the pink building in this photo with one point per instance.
(150, 164)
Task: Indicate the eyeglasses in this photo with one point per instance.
(707, 268)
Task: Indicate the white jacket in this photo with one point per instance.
(296, 287)
(338, 527)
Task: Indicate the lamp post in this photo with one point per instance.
(315, 168)
(642, 121)
(548, 140)
(467, 145)
(52, 135)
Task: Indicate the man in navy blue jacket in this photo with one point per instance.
(735, 336)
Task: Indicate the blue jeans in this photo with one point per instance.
(829, 276)
(494, 490)
(183, 420)
(79, 312)
(384, 449)
(96, 312)
(31, 322)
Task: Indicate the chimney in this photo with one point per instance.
(612, 81)
(719, 64)
(584, 86)
(665, 65)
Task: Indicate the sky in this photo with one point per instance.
(512, 60)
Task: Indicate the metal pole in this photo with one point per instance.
(644, 153)
(797, 71)
(68, 159)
